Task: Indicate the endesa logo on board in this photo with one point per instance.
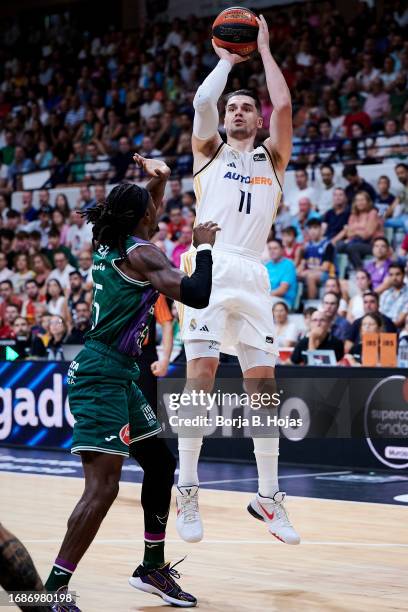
(251, 180)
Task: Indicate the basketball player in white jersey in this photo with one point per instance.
(239, 188)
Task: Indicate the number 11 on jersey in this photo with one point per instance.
(242, 201)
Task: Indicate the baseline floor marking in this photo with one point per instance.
(280, 477)
(266, 542)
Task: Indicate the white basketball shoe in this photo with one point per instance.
(272, 511)
(189, 524)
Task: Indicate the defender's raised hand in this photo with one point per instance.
(205, 233)
(153, 167)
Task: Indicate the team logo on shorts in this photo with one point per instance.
(124, 434)
(193, 325)
(269, 339)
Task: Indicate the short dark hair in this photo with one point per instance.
(383, 239)
(75, 273)
(336, 295)
(60, 252)
(350, 170)
(278, 240)
(309, 311)
(81, 302)
(281, 303)
(314, 222)
(54, 233)
(400, 267)
(384, 177)
(245, 92)
(7, 282)
(12, 214)
(402, 165)
(371, 294)
(289, 230)
(31, 280)
(35, 235)
(328, 166)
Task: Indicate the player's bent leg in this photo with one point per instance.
(259, 374)
(202, 363)
(153, 575)
(102, 474)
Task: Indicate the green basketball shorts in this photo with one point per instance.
(109, 409)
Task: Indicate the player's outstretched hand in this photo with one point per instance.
(232, 58)
(263, 34)
(204, 233)
(153, 167)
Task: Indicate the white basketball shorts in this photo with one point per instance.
(240, 308)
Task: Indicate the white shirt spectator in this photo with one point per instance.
(5, 274)
(289, 334)
(294, 195)
(324, 198)
(97, 169)
(79, 238)
(61, 277)
(173, 39)
(55, 307)
(365, 78)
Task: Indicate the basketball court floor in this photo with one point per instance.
(353, 555)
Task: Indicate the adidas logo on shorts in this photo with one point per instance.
(204, 328)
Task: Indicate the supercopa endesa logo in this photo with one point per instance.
(386, 421)
(124, 434)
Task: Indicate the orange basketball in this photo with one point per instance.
(236, 30)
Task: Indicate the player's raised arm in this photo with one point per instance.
(152, 265)
(159, 172)
(206, 138)
(279, 142)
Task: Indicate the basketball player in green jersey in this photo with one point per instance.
(113, 419)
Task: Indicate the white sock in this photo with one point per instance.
(266, 451)
(189, 453)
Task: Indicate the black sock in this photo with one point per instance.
(60, 575)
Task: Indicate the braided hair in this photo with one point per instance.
(114, 219)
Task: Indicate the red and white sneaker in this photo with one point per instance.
(189, 524)
(272, 511)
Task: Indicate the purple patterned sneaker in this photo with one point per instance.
(65, 605)
(161, 582)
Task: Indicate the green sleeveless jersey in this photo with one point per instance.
(121, 307)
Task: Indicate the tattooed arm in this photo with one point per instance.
(17, 571)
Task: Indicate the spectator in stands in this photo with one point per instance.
(177, 222)
(54, 246)
(121, 161)
(319, 338)
(8, 318)
(182, 245)
(22, 272)
(390, 143)
(62, 269)
(55, 297)
(383, 198)
(340, 327)
(378, 267)
(282, 273)
(364, 224)
(324, 197)
(97, 167)
(301, 191)
(286, 332)
(58, 222)
(44, 158)
(355, 308)
(335, 67)
(42, 225)
(43, 198)
(356, 115)
(403, 250)
(85, 267)
(337, 217)
(377, 103)
(21, 242)
(5, 272)
(82, 323)
(368, 72)
(394, 301)
(79, 234)
(291, 248)
(41, 269)
(176, 196)
(370, 324)
(31, 300)
(22, 335)
(318, 260)
(305, 214)
(62, 206)
(356, 183)
(6, 245)
(399, 208)
(28, 211)
(75, 293)
(8, 297)
(51, 347)
(13, 220)
(85, 199)
(370, 305)
(3, 208)
(161, 235)
(20, 165)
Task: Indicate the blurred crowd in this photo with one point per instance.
(80, 103)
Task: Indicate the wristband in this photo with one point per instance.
(204, 247)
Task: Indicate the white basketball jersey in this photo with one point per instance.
(240, 192)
